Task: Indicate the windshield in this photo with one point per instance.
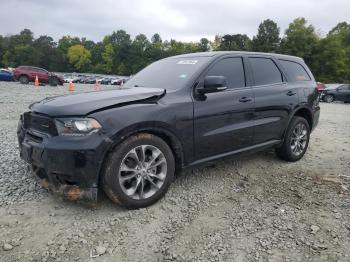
(170, 73)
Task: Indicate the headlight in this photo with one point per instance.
(76, 126)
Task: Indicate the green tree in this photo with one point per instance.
(20, 55)
(155, 50)
(237, 42)
(203, 45)
(300, 40)
(268, 37)
(121, 69)
(107, 57)
(156, 38)
(79, 57)
(342, 31)
(329, 62)
(138, 58)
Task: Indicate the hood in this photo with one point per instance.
(87, 103)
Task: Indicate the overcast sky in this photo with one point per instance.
(187, 20)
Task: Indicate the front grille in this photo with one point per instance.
(39, 123)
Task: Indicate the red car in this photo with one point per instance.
(320, 87)
(26, 74)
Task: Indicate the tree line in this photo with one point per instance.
(119, 53)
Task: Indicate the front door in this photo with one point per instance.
(343, 93)
(223, 121)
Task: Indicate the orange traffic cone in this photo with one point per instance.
(97, 86)
(36, 82)
(70, 86)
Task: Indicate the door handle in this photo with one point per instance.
(291, 93)
(245, 99)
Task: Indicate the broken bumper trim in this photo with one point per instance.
(70, 192)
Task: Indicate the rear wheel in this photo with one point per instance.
(328, 98)
(296, 140)
(139, 171)
(23, 79)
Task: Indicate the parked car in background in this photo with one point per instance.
(118, 81)
(26, 74)
(67, 78)
(6, 75)
(320, 87)
(82, 79)
(177, 113)
(106, 80)
(339, 92)
(78, 78)
(90, 80)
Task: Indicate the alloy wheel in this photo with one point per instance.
(299, 139)
(142, 172)
(329, 99)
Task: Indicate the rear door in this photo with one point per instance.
(274, 99)
(43, 75)
(223, 121)
(31, 72)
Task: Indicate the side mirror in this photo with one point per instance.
(213, 84)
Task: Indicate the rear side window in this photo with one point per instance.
(295, 71)
(344, 87)
(232, 69)
(265, 71)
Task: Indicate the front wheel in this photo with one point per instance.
(296, 140)
(328, 98)
(53, 81)
(139, 171)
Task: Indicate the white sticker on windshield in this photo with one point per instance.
(187, 62)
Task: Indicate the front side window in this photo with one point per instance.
(265, 71)
(295, 71)
(232, 69)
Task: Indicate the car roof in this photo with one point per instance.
(221, 53)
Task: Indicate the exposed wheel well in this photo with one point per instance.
(24, 76)
(174, 145)
(305, 113)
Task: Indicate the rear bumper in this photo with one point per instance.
(68, 166)
(316, 117)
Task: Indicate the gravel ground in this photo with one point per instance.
(256, 208)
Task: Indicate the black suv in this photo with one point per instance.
(176, 113)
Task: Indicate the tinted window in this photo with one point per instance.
(344, 87)
(295, 71)
(232, 69)
(265, 71)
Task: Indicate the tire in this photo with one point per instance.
(123, 179)
(53, 81)
(23, 79)
(328, 98)
(295, 143)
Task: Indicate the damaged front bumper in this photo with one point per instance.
(69, 192)
(68, 166)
